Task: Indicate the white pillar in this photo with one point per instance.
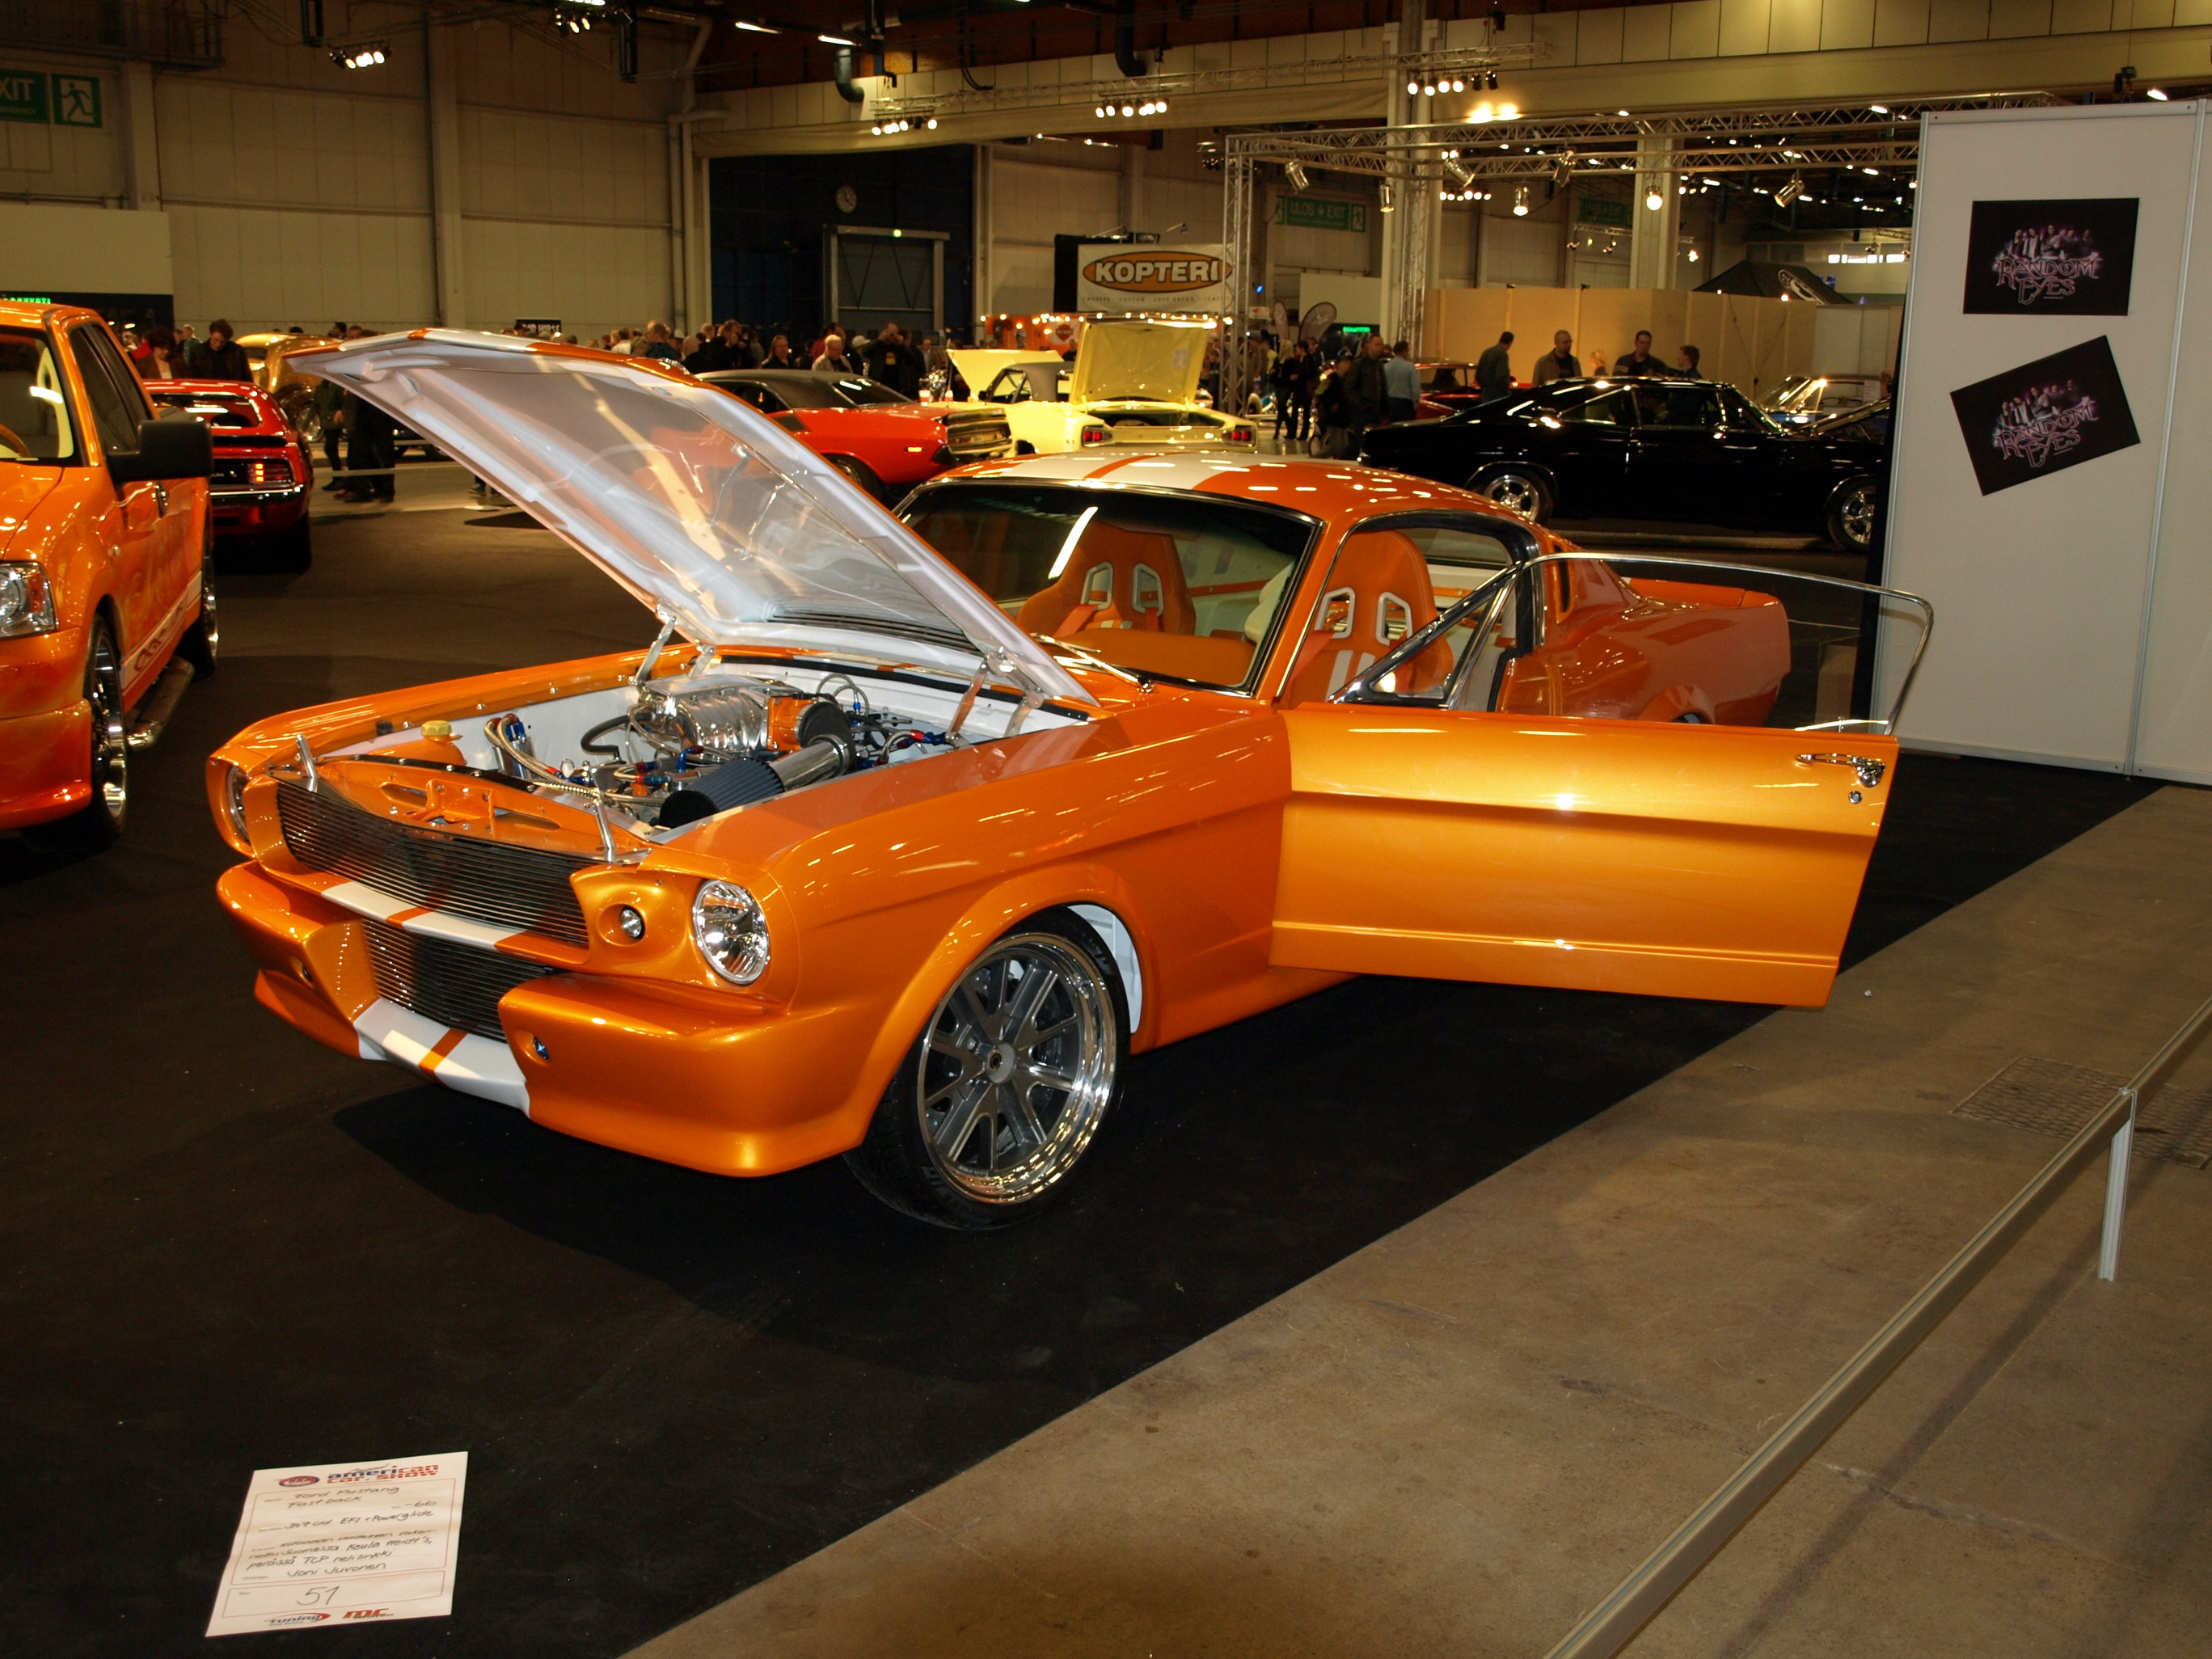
(1654, 233)
(1133, 187)
(142, 153)
(442, 99)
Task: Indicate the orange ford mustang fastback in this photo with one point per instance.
(907, 831)
(107, 605)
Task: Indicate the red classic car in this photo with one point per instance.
(264, 474)
(881, 439)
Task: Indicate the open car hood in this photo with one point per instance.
(1150, 362)
(691, 499)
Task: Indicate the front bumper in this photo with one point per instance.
(677, 1076)
(45, 728)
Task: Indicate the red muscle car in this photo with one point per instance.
(264, 474)
(881, 439)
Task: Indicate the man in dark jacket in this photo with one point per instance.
(1363, 388)
(892, 362)
(1640, 361)
(1562, 364)
(220, 357)
(1685, 363)
(1493, 370)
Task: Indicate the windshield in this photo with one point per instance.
(34, 422)
(215, 408)
(826, 391)
(1188, 588)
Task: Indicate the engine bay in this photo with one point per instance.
(669, 752)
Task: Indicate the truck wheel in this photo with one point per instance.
(94, 826)
(1002, 1095)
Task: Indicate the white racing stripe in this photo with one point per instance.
(436, 924)
(475, 1066)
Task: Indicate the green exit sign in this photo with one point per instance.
(24, 95)
(1596, 210)
(1321, 213)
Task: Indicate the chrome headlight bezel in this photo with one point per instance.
(234, 802)
(26, 600)
(730, 929)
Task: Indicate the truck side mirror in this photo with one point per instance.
(175, 447)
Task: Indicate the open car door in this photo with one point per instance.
(1597, 773)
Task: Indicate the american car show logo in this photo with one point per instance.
(298, 1480)
(1175, 272)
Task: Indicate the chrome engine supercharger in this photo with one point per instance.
(691, 745)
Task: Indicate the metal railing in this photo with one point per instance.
(1613, 1623)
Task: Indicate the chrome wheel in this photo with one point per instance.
(1854, 516)
(1016, 1068)
(110, 751)
(1515, 492)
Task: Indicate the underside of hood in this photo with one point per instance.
(1150, 363)
(700, 505)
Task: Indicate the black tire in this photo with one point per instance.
(94, 826)
(863, 475)
(933, 1150)
(290, 550)
(202, 645)
(1850, 515)
(1524, 490)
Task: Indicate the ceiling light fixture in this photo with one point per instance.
(1508, 112)
(1790, 193)
(1480, 113)
(1521, 201)
(751, 27)
(2155, 93)
(1462, 175)
(1655, 201)
(1390, 201)
(367, 57)
(1878, 109)
(1297, 174)
(833, 40)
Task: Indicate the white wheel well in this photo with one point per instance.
(1122, 947)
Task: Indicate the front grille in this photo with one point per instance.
(499, 885)
(456, 984)
(975, 433)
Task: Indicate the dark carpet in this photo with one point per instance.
(227, 1248)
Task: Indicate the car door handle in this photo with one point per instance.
(1868, 769)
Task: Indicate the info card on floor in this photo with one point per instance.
(333, 1544)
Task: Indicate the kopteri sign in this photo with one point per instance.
(1117, 277)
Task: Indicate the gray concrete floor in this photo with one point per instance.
(1457, 1439)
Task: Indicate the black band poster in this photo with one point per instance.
(2051, 257)
(2044, 416)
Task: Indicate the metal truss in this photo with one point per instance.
(1706, 141)
(1421, 162)
(1385, 68)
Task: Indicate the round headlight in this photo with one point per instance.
(731, 931)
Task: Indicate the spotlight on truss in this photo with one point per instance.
(1297, 174)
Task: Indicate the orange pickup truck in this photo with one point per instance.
(106, 609)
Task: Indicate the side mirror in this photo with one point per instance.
(174, 447)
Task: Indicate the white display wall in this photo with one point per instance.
(2052, 480)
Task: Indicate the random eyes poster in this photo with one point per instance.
(2065, 257)
(2044, 416)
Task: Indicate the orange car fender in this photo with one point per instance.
(1678, 701)
(994, 914)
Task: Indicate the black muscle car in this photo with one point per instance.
(1661, 452)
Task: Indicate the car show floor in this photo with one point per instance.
(231, 1250)
(1459, 1438)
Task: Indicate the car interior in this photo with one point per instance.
(34, 423)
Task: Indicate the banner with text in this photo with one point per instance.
(1187, 277)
